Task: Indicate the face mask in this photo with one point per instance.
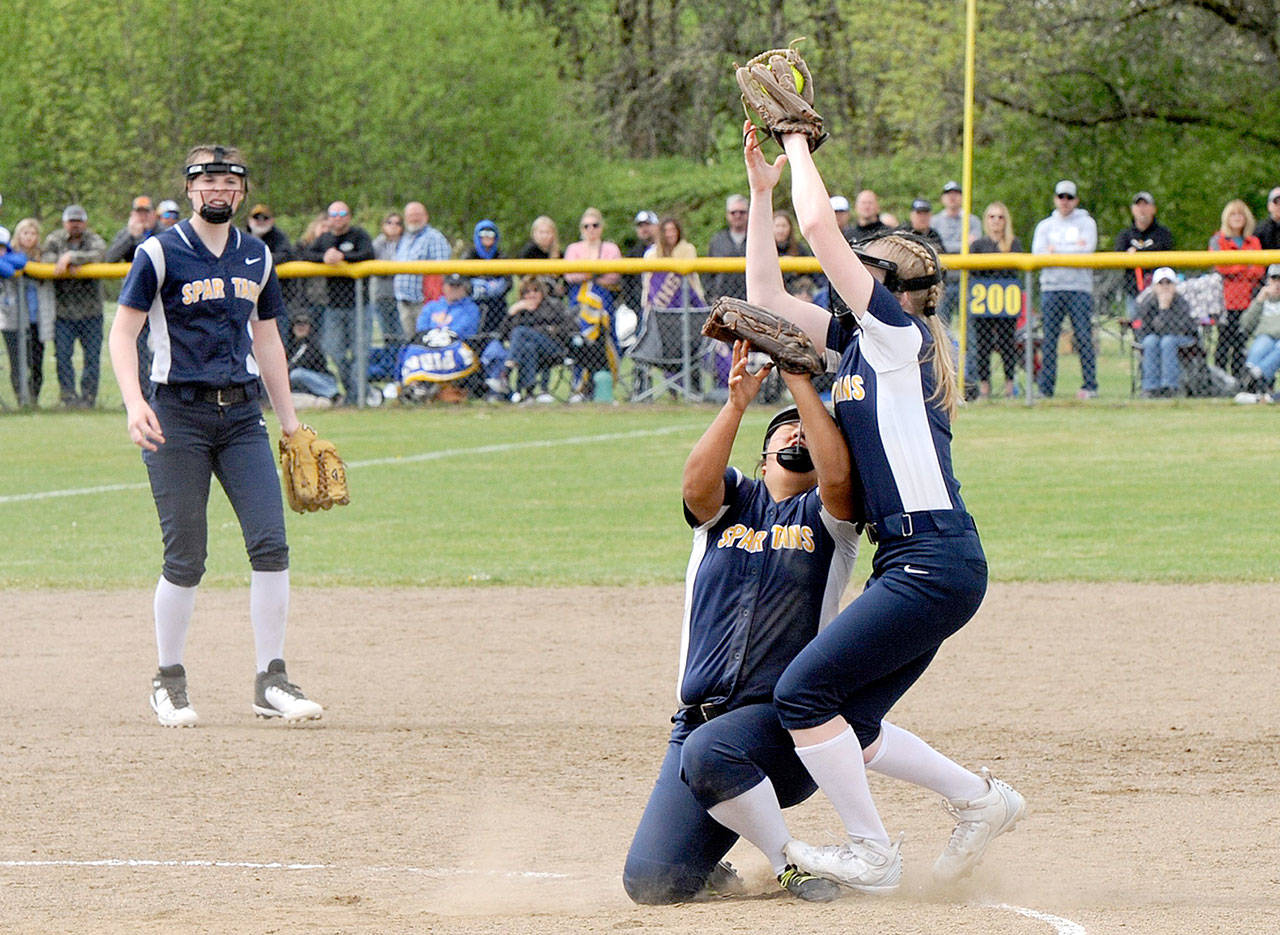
(216, 215)
(796, 458)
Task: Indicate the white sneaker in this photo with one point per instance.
(275, 696)
(545, 398)
(169, 698)
(577, 398)
(978, 823)
(860, 864)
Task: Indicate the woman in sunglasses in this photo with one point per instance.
(593, 299)
(895, 395)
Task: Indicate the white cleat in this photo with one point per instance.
(275, 696)
(860, 864)
(169, 698)
(978, 823)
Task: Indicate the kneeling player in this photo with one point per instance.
(771, 558)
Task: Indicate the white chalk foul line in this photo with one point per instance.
(276, 865)
(377, 462)
(1060, 925)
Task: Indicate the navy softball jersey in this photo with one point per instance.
(761, 577)
(200, 306)
(901, 445)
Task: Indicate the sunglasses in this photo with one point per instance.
(1065, 197)
(1274, 278)
(338, 214)
(168, 214)
(737, 212)
(586, 224)
(261, 217)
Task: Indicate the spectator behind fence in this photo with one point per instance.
(308, 369)
(490, 292)
(1166, 327)
(1268, 231)
(262, 224)
(998, 333)
(38, 294)
(167, 215)
(1239, 282)
(866, 217)
(665, 288)
(1143, 235)
(730, 241)
(79, 306)
(920, 223)
(312, 291)
(544, 244)
(950, 227)
(1261, 323)
(455, 310)
(383, 288)
(140, 225)
(541, 326)
(593, 303)
(787, 243)
(421, 241)
(343, 242)
(1067, 291)
(631, 288)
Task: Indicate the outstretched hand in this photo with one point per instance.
(762, 175)
(743, 384)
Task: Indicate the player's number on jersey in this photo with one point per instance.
(995, 299)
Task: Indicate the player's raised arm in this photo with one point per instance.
(703, 483)
(826, 446)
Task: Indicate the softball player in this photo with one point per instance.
(770, 560)
(894, 395)
(209, 293)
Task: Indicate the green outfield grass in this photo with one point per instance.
(561, 495)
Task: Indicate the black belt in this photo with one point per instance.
(218, 395)
(905, 525)
(701, 713)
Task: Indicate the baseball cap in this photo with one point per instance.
(839, 203)
(951, 186)
(167, 207)
(74, 213)
(1275, 193)
(304, 317)
(1273, 270)
(921, 204)
(259, 208)
(1143, 196)
(1065, 187)
(455, 279)
(142, 203)
(1164, 274)
(646, 217)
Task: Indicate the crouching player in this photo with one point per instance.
(771, 558)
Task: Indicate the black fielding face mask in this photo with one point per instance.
(218, 215)
(796, 458)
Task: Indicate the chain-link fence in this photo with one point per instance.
(1020, 339)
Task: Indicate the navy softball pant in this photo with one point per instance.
(202, 440)
(922, 589)
(677, 843)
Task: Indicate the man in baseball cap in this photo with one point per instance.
(949, 223)
(840, 205)
(455, 309)
(1145, 234)
(631, 284)
(168, 214)
(78, 306)
(140, 225)
(921, 223)
(1067, 291)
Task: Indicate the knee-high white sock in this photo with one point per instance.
(268, 610)
(905, 756)
(173, 606)
(836, 766)
(757, 816)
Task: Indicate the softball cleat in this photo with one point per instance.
(806, 886)
(275, 696)
(859, 863)
(978, 822)
(169, 698)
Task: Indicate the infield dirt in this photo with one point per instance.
(486, 754)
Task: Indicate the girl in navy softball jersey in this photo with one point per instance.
(894, 396)
(210, 295)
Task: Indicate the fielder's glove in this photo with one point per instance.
(777, 94)
(314, 476)
(733, 320)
